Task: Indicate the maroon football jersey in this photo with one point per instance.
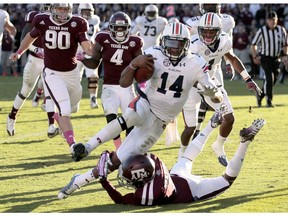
(117, 56)
(60, 41)
(29, 19)
(160, 190)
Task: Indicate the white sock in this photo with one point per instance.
(235, 164)
(84, 178)
(111, 130)
(196, 145)
(218, 145)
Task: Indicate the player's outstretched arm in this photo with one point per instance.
(25, 44)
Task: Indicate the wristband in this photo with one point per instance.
(245, 74)
(19, 52)
(131, 67)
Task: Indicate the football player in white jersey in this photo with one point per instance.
(175, 72)
(212, 44)
(228, 24)
(149, 26)
(86, 10)
(5, 24)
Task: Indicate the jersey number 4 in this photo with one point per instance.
(176, 86)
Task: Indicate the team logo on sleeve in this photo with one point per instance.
(132, 44)
(207, 52)
(166, 63)
(73, 24)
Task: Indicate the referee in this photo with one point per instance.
(271, 39)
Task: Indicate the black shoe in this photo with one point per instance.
(259, 100)
(79, 152)
(270, 105)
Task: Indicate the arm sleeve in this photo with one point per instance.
(116, 196)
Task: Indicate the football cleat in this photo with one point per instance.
(52, 131)
(248, 134)
(10, 126)
(69, 188)
(78, 151)
(217, 117)
(93, 103)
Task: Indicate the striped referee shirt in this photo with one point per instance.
(270, 41)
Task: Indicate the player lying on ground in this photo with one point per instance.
(178, 186)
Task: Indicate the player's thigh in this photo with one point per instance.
(141, 138)
(206, 188)
(110, 99)
(91, 73)
(126, 96)
(225, 101)
(56, 85)
(191, 108)
(32, 71)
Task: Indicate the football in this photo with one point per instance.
(143, 74)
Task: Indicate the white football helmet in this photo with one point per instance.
(175, 41)
(61, 16)
(86, 10)
(214, 8)
(151, 12)
(45, 7)
(209, 28)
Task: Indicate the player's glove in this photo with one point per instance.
(39, 52)
(252, 86)
(103, 164)
(209, 91)
(80, 56)
(230, 70)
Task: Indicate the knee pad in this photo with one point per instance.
(128, 130)
(110, 117)
(92, 83)
(21, 96)
(122, 123)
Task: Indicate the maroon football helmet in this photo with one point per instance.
(136, 171)
(120, 25)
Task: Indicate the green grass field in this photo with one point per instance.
(33, 167)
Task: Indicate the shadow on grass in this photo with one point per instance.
(206, 206)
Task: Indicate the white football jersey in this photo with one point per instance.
(212, 57)
(3, 19)
(149, 31)
(94, 27)
(228, 23)
(169, 87)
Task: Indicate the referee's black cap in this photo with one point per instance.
(272, 15)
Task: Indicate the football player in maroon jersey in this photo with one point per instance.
(31, 74)
(60, 32)
(116, 48)
(155, 185)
